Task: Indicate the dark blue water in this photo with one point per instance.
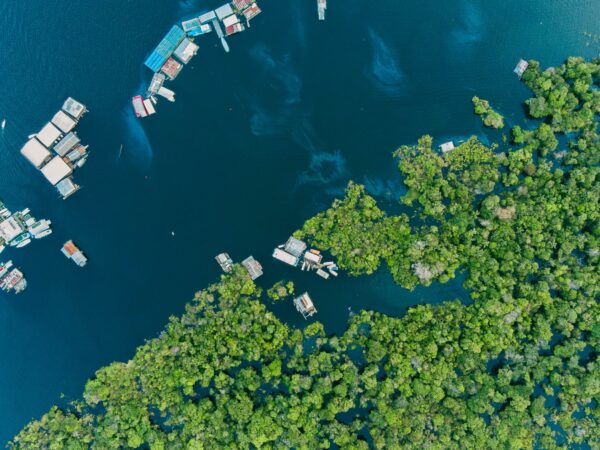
(258, 140)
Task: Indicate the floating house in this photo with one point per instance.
(67, 147)
(171, 68)
(207, 17)
(521, 67)
(291, 252)
(67, 187)
(70, 250)
(312, 259)
(11, 280)
(36, 153)
(186, 51)
(195, 27)
(251, 12)
(67, 143)
(73, 108)
(56, 170)
(295, 246)
(225, 261)
(232, 25)
(48, 135)
(447, 146)
(253, 267)
(305, 305)
(157, 81)
(63, 121)
(224, 11)
(166, 93)
(285, 257)
(165, 49)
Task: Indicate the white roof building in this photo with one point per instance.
(48, 135)
(285, 257)
(35, 152)
(447, 146)
(56, 170)
(63, 121)
(231, 20)
(224, 11)
(10, 229)
(73, 108)
(186, 50)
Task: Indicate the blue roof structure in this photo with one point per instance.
(165, 48)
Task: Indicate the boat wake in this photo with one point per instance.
(471, 27)
(136, 142)
(384, 71)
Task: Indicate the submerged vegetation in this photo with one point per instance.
(516, 369)
(489, 117)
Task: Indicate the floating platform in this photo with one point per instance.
(225, 261)
(70, 250)
(521, 67)
(253, 267)
(305, 305)
(447, 147)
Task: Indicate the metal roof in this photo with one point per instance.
(295, 246)
(49, 134)
(224, 11)
(35, 152)
(66, 187)
(165, 48)
(66, 144)
(285, 257)
(186, 50)
(63, 121)
(207, 17)
(56, 170)
(73, 108)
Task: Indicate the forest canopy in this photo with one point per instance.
(516, 369)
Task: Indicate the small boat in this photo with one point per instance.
(20, 241)
(2, 247)
(24, 243)
(43, 234)
(3, 124)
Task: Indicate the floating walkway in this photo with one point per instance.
(56, 150)
(177, 48)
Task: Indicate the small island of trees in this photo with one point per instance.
(489, 117)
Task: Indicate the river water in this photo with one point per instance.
(258, 140)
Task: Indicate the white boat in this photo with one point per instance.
(43, 234)
(2, 247)
(24, 243)
(4, 124)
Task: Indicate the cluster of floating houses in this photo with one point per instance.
(11, 278)
(253, 267)
(295, 251)
(177, 48)
(56, 150)
(19, 228)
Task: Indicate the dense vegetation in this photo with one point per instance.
(516, 369)
(488, 116)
